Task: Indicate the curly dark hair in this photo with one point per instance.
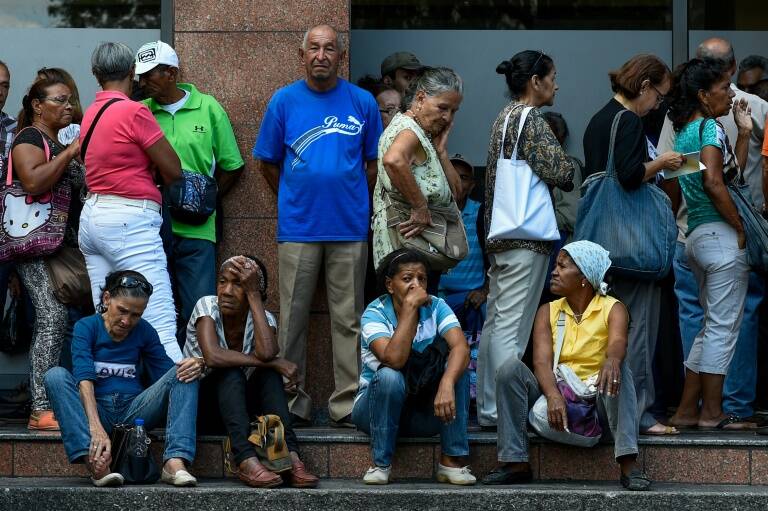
(390, 265)
(687, 80)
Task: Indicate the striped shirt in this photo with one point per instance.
(209, 306)
(379, 320)
(7, 131)
(469, 274)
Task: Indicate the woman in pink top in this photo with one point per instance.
(126, 154)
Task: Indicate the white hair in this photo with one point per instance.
(340, 41)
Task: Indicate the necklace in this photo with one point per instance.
(577, 317)
(418, 123)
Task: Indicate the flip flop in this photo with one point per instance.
(731, 419)
(668, 431)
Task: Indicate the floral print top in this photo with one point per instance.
(539, 147)
(429, 175)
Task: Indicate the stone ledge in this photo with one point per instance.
(353, 496)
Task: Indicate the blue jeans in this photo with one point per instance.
(167, 402)
(382, 412)
(193, 267)
(739, 389)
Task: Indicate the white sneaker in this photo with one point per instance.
(377, 475)
(109, 480)
(462, 476)
(180, 478)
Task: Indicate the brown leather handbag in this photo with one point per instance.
(69, 276)
(268, 439)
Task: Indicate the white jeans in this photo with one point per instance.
(115, 236)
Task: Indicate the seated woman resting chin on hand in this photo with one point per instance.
(594, 346)
(103, 388)
(396, 328)
(236, 337)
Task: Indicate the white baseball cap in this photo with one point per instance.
(153, 54)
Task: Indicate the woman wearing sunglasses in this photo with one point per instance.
(104, 388)
(47, 109)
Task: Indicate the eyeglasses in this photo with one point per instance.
(130, 282)
(659, 96)
(61, 100)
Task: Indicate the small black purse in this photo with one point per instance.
(423, 371)
(135, 469)
(191, 199)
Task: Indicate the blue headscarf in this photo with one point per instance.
(592, 260)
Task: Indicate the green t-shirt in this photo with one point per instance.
(701, 209)
(202, 136)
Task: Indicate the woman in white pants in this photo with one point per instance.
(518, 267)
(121, 219)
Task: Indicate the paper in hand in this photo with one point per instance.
(692, 164)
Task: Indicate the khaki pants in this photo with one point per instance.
(299, 267)
(516, 280)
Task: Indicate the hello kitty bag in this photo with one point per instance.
(32, 225)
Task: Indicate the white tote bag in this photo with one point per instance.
(522, 205)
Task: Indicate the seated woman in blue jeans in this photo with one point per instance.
(104, 388)
(590, 329)
(404, 321)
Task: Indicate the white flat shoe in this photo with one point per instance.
(461, 476)
(181, 478)
(110, 480)
(377, 475)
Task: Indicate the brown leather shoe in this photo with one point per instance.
(299, 477)
(254, 474)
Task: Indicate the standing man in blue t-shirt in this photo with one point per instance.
(318, 146)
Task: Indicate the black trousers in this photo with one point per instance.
(237, 399)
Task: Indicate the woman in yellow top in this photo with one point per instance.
(593, 347)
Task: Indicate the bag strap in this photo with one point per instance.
(46, 148)
(87, 139)
(560, 338)
(504, 130)
(610, 168)
(523, 118)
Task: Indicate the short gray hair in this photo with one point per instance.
(340, 41)
(111, 62)
(434, 81)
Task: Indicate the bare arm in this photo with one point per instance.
(99, 437)
(271, 173)
(226, 179)
(165, 159)
(38, 176)
(714, 187)
(765, 182)
(609, 379)
(398, 160)
(264, 343)
(458, 360)
(371, 170)
(214, 355)
(543, 356)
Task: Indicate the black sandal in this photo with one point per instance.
(635, 481)
(729, 421)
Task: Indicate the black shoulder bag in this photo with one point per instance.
(135, 469)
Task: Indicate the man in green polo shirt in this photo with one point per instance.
(199, 130)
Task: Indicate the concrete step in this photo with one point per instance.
(695, 458)
(78, 494)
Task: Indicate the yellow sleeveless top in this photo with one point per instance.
(584, 343)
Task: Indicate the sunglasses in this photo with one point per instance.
(130, 282)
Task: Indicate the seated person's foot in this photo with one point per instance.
(100, 474)
(175, 473)
(256, 475)
(300, 422)
(660, 429)
(635, 480)
(377, 475)
(451, 469)
(42, 420)
(680, 421)
(299, 477)
(344, 422)
(510, 473)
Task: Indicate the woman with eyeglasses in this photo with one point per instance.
(105, 389)
(518, 267)
(47, 109)
(639, 86)
(69, 133)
